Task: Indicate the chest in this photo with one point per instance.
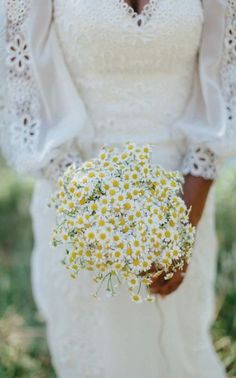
(111, 36)
(137, 5)
(138, 16)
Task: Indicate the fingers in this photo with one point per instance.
(166, 287)
(157, 284)
(170, 288)
(165, 290)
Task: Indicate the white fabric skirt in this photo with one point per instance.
(115, 338)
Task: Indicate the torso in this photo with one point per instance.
(133, 71)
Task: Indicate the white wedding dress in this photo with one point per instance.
(83, 73)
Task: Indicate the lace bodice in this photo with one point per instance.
(97, 71)
(134, 79)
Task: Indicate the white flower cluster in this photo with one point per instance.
(120, 216)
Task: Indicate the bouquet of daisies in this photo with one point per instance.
(120, 217)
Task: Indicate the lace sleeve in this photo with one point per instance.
(42, 116)
(206, 131)
(22, 98)
(228, 73)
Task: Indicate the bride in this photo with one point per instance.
(84, 73)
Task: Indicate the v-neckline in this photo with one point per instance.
(147, 5)
(140, 18)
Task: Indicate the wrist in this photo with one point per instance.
(195, 193)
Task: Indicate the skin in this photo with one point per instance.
(137, 5)
(195, 192)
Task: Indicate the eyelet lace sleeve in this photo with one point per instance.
(23, 103)
(201, 160)
(42, 116)
(209, 118)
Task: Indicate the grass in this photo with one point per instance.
(23, 349)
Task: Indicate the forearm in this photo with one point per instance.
(195, 192)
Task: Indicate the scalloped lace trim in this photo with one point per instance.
(200, 161)
(144, 16)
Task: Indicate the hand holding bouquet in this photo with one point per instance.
(119, 216)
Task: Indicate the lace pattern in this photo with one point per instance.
(23, 103)
(2, 74)
(130, 95)
(200, 161)
(146, 14)
(228, 72)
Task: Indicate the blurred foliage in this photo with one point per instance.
(224, 329)
(23, 348)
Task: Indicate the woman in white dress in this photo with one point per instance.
(83, 73)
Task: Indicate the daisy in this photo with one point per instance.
(136, 298)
